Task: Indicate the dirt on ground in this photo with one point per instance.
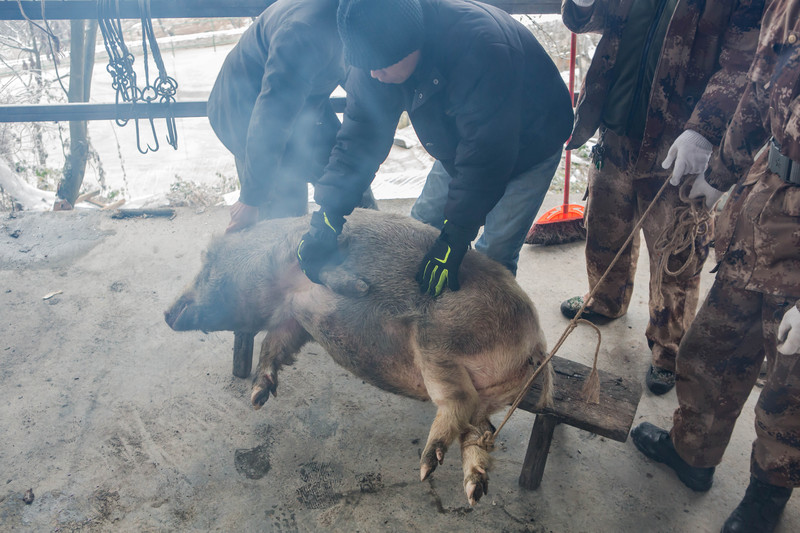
(114, 422)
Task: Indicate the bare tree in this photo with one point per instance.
(83, 35)
(26, 48)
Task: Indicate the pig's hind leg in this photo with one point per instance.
(450, 388)
(475, 458)
(279, 348)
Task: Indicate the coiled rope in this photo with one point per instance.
(692, 222)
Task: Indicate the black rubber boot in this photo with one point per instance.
(759, 510)
(655, 443)
(659, 380)
(570, 308)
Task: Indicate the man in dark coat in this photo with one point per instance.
(270, 106)
(485, 100)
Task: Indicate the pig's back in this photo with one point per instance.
(386, 250)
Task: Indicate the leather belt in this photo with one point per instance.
(787, 169)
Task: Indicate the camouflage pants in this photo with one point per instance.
(617, 199)
(718, 363)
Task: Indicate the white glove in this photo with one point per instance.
(789, 332)
(583, 3)
(690, 152)
(700, 187)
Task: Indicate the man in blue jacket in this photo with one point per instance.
(486, 102)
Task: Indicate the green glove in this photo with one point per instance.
(319, 246)
(440, 265)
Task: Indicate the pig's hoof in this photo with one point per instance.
(262, 388)
(476, 484)
(431, 458)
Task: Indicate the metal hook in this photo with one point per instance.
(139, 141)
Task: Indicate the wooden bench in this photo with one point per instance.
(611, 418)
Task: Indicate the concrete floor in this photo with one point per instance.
(118, 423)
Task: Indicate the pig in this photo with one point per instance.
(469, 352)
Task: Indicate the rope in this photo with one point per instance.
(486, 441)
(692, 221)
(123, 75)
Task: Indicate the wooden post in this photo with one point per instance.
(538, 448)
(242, 353)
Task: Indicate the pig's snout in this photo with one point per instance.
(174, 314)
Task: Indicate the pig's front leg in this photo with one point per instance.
(278, 349)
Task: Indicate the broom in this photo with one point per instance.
(564, 223)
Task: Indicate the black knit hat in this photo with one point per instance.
(379, 33)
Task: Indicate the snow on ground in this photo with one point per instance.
(26, 195)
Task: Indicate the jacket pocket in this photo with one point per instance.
(791, 130)
(790, 203)
(777, 231)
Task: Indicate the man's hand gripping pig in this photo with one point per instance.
(319, 246)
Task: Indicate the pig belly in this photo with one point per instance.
(387, 371)
(383, 356)
(388, 364)
(373, 347)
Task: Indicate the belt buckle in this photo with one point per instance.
(786, 168)
(794, 174)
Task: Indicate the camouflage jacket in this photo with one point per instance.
(706, 52)
(762, 253)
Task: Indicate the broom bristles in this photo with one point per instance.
(557, 232)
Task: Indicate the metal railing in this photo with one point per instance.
(129, 9)
(87, 9)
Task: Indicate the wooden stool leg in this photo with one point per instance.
(538, 448)
(242, 353)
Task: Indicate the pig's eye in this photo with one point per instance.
(215, 279)
(219, 283)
